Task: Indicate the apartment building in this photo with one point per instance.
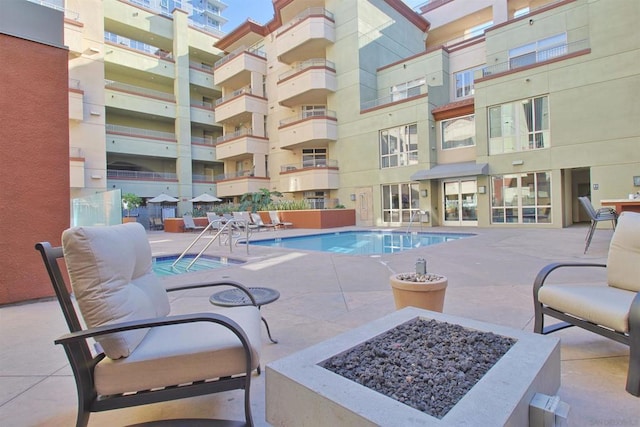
(483, 113)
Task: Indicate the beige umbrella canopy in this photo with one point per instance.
(162, 198)
(205, 198)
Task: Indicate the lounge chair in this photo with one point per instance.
(275, 220)
(611, 309)
(243, 219)
(257, 220)
(144, 355)
(602, 214)
(189, 223)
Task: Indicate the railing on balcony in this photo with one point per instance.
(76, 152)
(138, 132)
(322, 203)
(234, 94)
(204, 141)
(304, 14)
(232, 175)
(310, 164)
(409, 93)
(203, 178)
(536, 57)
(137, 45)
(160, 7)
(256, 50)
(141, 175)
(310, 63)
(231, 135)
(201, 66)
(111, 84)
(202, 104)
(68, 13)
(306, 115)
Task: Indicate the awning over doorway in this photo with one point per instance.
(452, 170)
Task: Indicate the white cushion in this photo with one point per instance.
(623, 263)
(602, 305)
(111, 276)
(179, 354)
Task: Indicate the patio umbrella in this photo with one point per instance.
(205, 198)
(162, 198)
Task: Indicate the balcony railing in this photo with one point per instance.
(74, 84)
(204, 141)
(253, 50)
(232, 135)
(322, 203)
(202, 104)
(317, 62)
(136, 45)
(234, 94)
(76, 152)
(412, 92)
(306, 115)
(202, 178)
(141, 175)
(308, 164)
(232, 175)
(138, 132)
(302, 15)
(536, 57)
(68, 13)
(200, 66)
(110, 84)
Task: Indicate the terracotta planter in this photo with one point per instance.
(427, 295)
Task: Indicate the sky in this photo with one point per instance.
(260, 11)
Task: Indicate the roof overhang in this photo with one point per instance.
(452, 170)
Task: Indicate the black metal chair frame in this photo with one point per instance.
(83, 362)
(631, 339)
(602, 214)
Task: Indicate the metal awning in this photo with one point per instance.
(452, 170)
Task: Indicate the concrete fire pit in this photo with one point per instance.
(300, 392)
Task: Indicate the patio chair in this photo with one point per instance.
(602, 214)
(243, 219)
(257, 220)
(611, 309)
(143, 354)
(275, 219)
(190, 225)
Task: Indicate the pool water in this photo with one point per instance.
(361, 242)
(162, 266)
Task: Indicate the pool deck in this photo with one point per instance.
(323, 294)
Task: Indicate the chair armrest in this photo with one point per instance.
(606, 211)
(548, 269)
(216, 283)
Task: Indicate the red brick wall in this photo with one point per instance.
(34, 162)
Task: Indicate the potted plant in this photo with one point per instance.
(129, 202)
(419, 289)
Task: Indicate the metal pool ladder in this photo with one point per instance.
(224, 228)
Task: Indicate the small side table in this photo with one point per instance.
(236, 297)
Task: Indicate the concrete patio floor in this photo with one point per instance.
(323, 294)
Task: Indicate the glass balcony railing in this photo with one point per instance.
(141, 175)
(307, 115)
(311, 63)
(138, 132)
(232, 135)
(137, 45)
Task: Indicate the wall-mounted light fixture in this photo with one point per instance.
(517, 162)
(424, 193)
(482, 189)
(352, 197)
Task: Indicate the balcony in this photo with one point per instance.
(125, 52)
(76, 100)
(309, 176)
(535, 58)
(309, 83)
(201, 75)
(239, 106)
(306, 36)
(239, 144)
(308, 130)
(239, 183)
(138, 141)
(234, 70)
(141, 175)
(202, 112)
(135, 98)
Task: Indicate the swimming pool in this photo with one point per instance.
(361, 242)
(162, 265)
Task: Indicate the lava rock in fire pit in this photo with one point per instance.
(426, 364)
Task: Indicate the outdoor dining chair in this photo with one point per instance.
(602, 214)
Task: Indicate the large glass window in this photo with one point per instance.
(399, 146)
(459, 132)
(314, 157)
(406, 90)
(538, 51)
(521, 198)
(399, 202)
(519, 126)
(464, 82)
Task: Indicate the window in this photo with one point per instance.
(459, 132)
(399, 146)
(313, 111)
(406, 90)
(539, 51)
(521, 198)
(314, 157)
(316, 199)
(519, 126)
(464, 82)
(399, 202)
